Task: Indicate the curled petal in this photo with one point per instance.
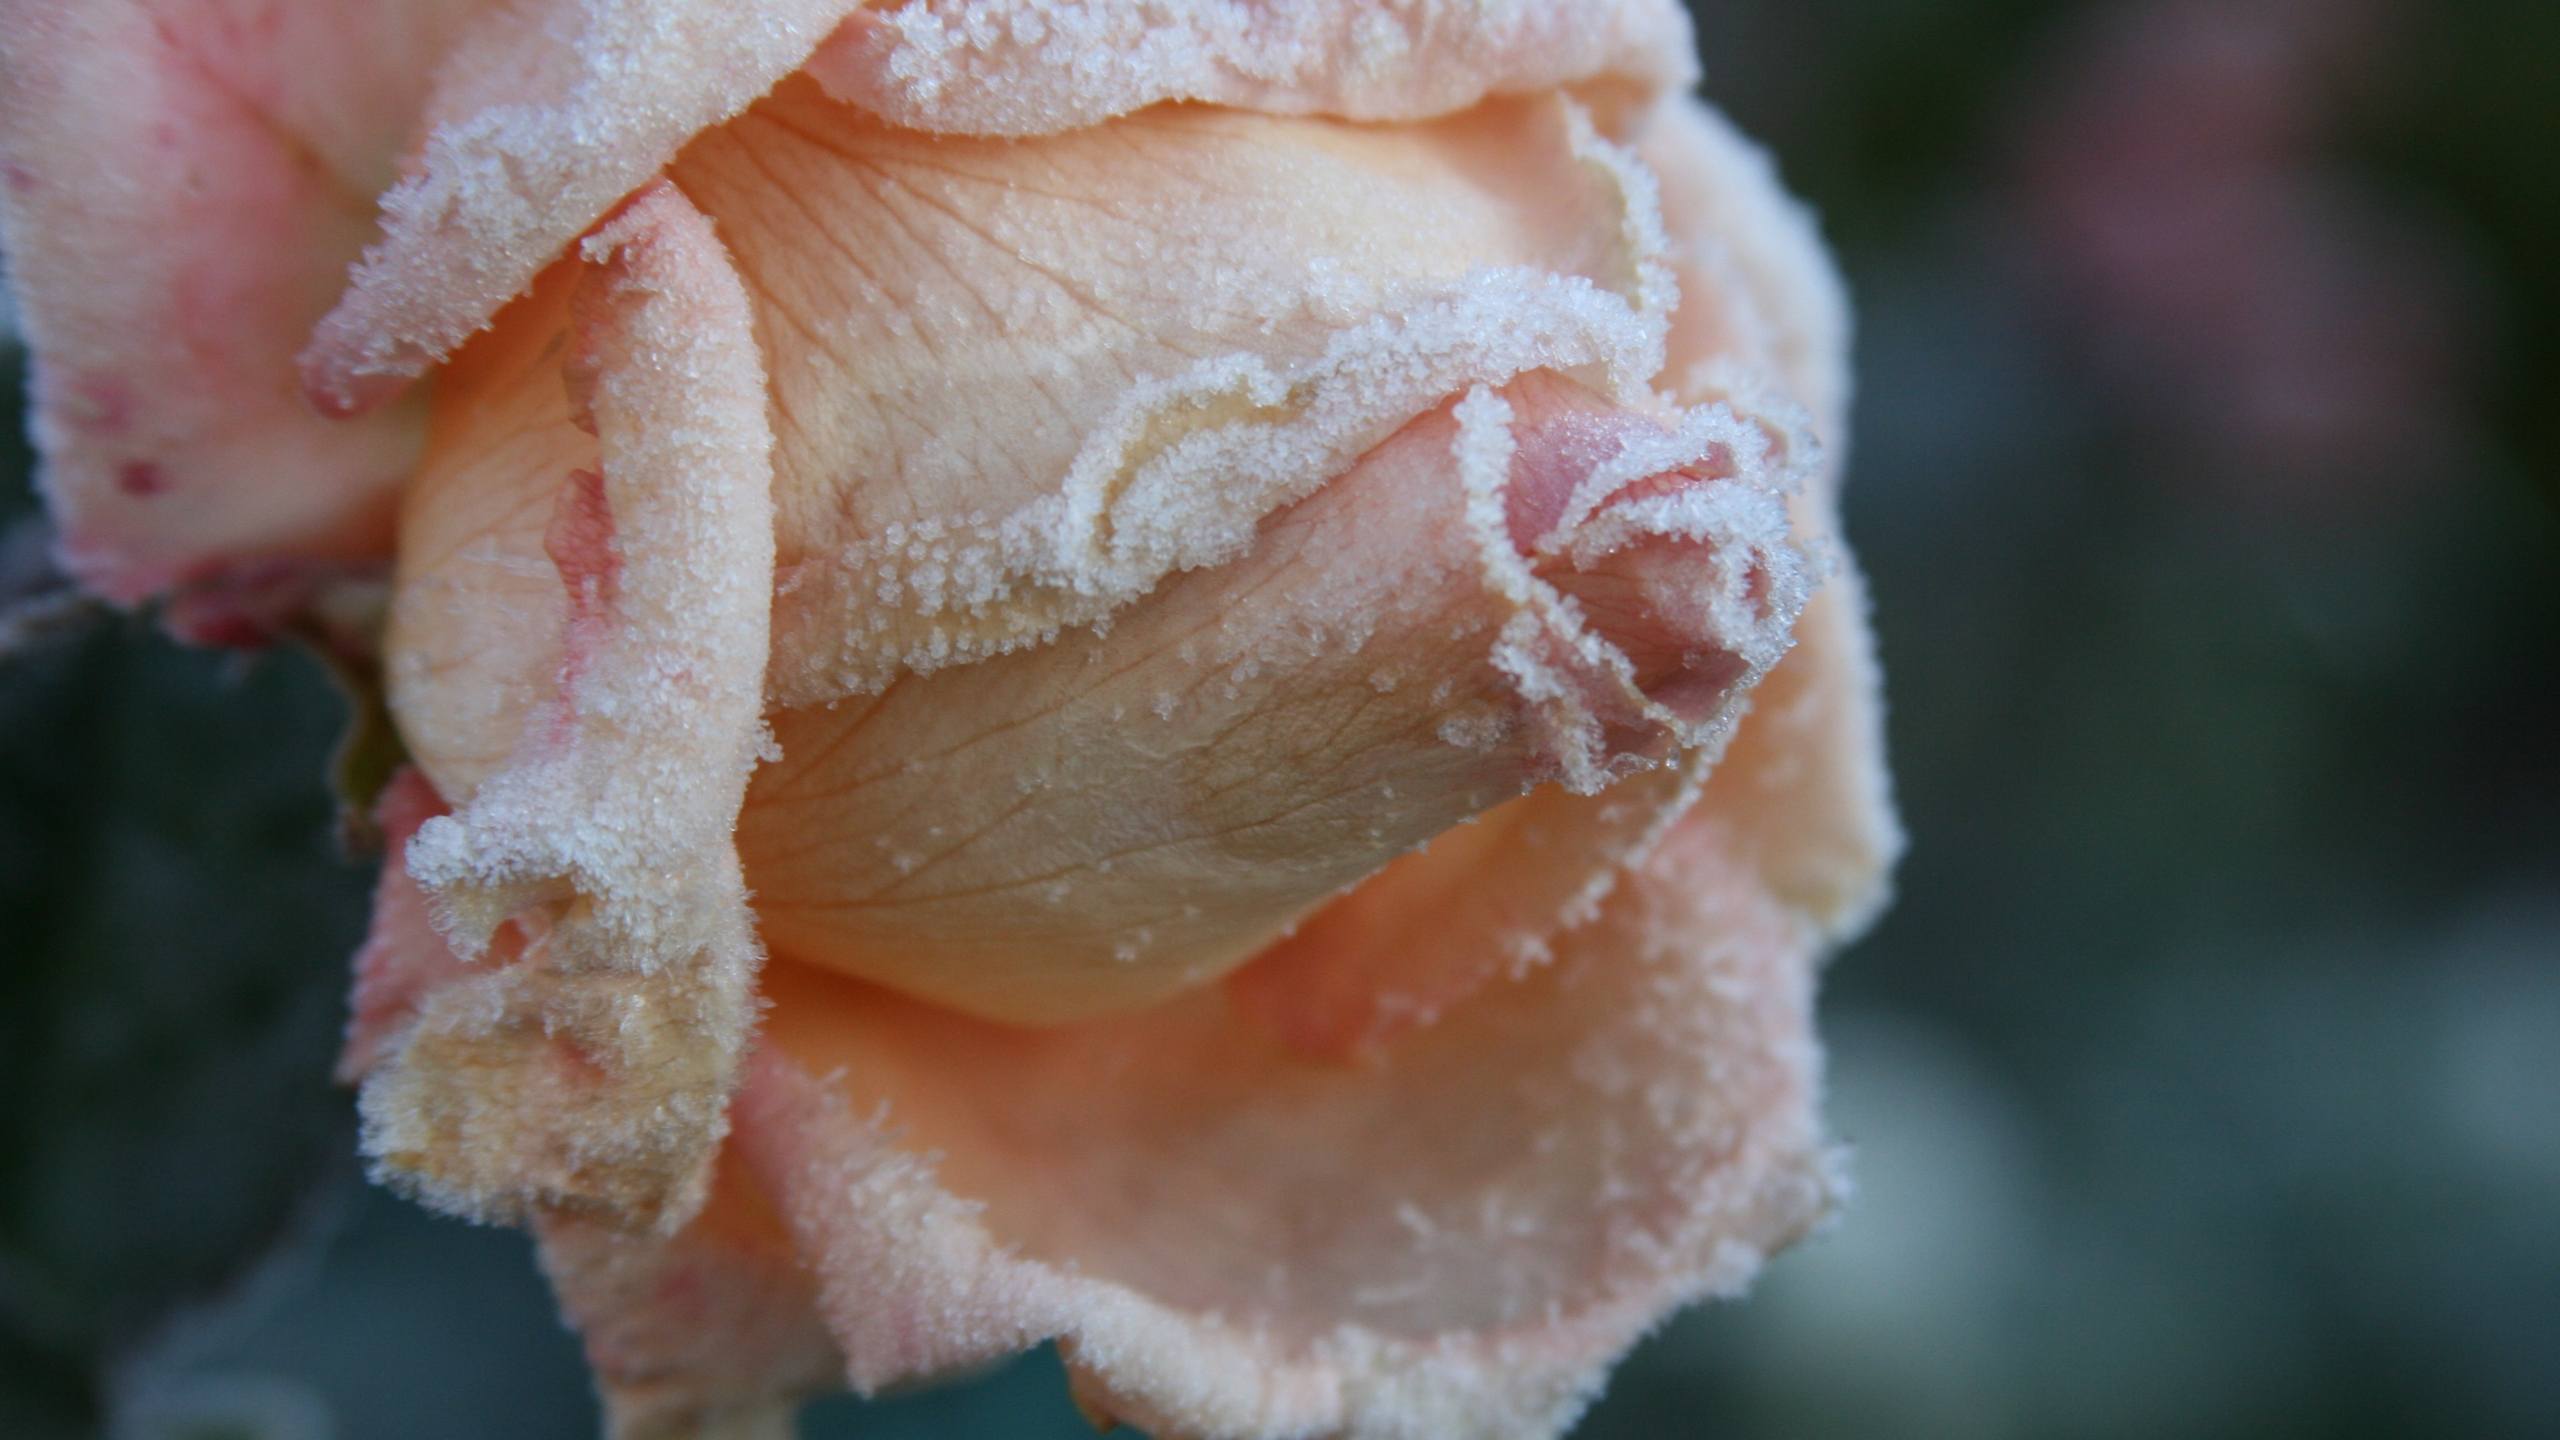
(1761, 330)
(545, 115)
(593, 1071)
(182, 185)
(1121, 814)
(1036, 67)
(1230, 1239)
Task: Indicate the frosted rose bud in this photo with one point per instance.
(1224, 619)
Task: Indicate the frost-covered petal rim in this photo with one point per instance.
(617, 86)
(1233, 1241)
(1034, 67)
(593, 1071)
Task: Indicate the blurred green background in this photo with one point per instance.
(2205, 1080)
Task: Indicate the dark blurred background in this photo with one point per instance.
(2204, 1082)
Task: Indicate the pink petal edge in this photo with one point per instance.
(182, 185)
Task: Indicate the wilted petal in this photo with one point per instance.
(1233, 1240)
(593, 1071)
(1036, 67)
(710, 1332)
(182, 185)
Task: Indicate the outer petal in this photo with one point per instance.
(548, 114)
(1022, 382)
(182, 184)
(1231, 1241)
(1036, 67)
(403, 959)
(1804, 787)
(594, 1071)
(709, 1334)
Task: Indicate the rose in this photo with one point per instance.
(1181, 568)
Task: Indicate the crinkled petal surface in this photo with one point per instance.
(182, 185)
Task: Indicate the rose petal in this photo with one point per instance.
(1103, 821)
(182, 184)
(1022, 382)
(593, 1073)
(1454, 1239)
(1758, 286)
(546, 114)
(403, 959)
(1761, 326)
(550, 112)
(1804, 787)
(712, 1331)
(1036, 67)
(709, 1334)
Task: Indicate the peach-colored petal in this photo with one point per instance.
(1036, 67)
(1100, 822)
(1804, 787)
(1021, 382)
(593, 1072)
(546, 114)
(712, 1333)
(1758, 288)
(1760, 329)
(550, 112)
(1481, 903)
(1454, 1238)
(182, 184)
